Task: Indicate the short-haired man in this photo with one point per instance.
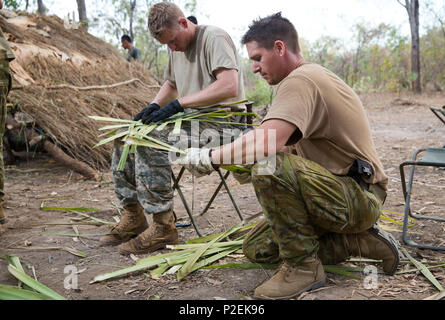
(6, 55)
(321, 201)
(203, 70)
(133, 52)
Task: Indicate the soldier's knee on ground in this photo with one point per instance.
(259, 246)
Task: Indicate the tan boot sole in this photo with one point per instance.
(115, 240)
(127, 248)
(311, 287)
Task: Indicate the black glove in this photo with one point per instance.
(147, 111)
(166, 112)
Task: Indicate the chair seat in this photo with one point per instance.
(435, 155)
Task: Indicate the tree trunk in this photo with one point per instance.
(71, 163)
(41, 7)
(82, 13)
(132, 9)
(55, 152)
(412, 7)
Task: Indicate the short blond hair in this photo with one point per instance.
(162, 16)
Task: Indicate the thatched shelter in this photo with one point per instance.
(63, 74)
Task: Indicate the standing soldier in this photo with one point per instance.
(6, 56)
(204, 69)
(133, 52)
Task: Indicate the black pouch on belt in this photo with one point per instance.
(360, 170)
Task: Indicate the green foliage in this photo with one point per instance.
(260, 94)
(12, 4)
(257, 89)
(433, 58)
(376, 58)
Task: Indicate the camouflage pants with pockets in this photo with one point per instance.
(307, 209)
(147, 176)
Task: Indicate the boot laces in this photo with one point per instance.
(126, 221)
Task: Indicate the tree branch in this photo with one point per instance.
(64, 86)
(403, 5)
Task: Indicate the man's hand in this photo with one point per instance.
(166, 112)
(197, 161)
(146, 111)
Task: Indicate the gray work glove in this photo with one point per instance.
(197, 161)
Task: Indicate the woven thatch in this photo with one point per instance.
(52, 59)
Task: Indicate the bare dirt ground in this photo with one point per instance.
(400, 124)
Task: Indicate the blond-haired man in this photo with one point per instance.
(203, 70)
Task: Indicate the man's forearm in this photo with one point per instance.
(266, 140)
(248, 149)
(166, 94)
(224, 88)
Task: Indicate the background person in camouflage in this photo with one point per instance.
(203, 70)
(133, 52)
(6, 56)
(323, 195)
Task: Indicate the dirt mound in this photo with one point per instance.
(62, 75)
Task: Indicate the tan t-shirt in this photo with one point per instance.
(192, 70)
(332, 119)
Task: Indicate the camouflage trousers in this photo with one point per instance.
(147, 176)
(307, 209)
(5, 86)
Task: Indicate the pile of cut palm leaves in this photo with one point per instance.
(135, 133)
(28, 288)
(187, 258)
(202, 253)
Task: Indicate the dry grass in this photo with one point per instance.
(63, 113)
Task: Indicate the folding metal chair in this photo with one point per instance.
(223, 183)
(432, 157)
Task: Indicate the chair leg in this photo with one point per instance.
(184, 201)
(186, 206)
(407, 190)
(209, 204)
(230, 195)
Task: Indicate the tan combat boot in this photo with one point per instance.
(375, 244)
(161, 233)
(133, 223)
(292, 280)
